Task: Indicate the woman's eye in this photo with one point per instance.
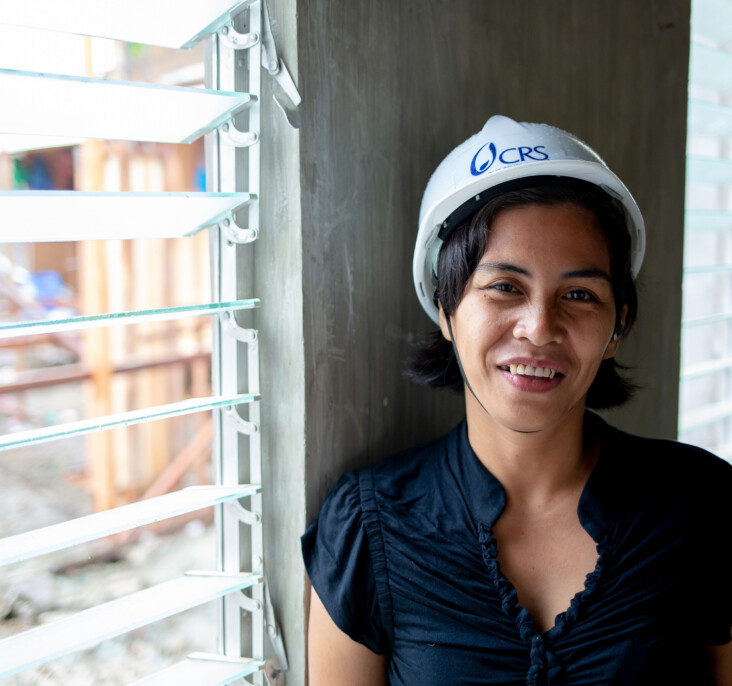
(581, 295)
(504, 288)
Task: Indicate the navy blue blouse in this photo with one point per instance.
(403, 558)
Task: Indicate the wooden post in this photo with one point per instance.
(93, 298)
(148, 291)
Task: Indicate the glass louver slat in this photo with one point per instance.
(38, 216)
(707, 170)
(167, 23)
(198, 668)
(709, 119)
(91, 527)
(709, 269)
(705, 415)
(117, 110)
(85, 426)
(45, 326)
(712, 19)
(90, 627)
(695, 371)
(710, 67)
(707, 319)
(12, 143)
(707, 220)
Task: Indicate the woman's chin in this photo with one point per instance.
(526, 418)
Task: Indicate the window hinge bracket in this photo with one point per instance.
(235, 234)
(233, 136)
(235, 40)
(233, 328)
(248, 604)
(243, 515)
(240, 424)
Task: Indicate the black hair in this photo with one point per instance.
(434, 363)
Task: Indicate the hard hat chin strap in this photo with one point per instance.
(465, 378)
(460, 365)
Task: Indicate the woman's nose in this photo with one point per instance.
(539, 324)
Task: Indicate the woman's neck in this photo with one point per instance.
(534, 467)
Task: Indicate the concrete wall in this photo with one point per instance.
(389, 87)
(278, 282)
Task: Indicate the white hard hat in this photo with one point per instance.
(505, 151)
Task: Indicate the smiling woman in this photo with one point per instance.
(463, 249)
(534, 544)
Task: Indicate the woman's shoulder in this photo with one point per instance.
(399, 475)
(662, 449)
(344, 550)
(656, 462)
(418, 465)
(399, 480)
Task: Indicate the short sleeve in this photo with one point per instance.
(715, 591)
(714, 597)
(338, 559)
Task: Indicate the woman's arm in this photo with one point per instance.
(720, 659)
(334, 658)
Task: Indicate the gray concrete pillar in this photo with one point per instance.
(389, 87)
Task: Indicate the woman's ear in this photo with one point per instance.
(443, 323)
(612, 346)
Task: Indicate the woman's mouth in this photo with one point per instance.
(528, 370)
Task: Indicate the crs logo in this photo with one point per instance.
(506, 156)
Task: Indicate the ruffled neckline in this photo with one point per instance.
(487, 499)
(542, 659)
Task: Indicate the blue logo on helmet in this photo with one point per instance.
(507, 156)
(477, 171)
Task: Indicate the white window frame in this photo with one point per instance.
(235, 46)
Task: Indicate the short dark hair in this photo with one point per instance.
(433, 362)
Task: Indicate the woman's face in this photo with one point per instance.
(536, 317)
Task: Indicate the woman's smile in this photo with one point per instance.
(537, 316)
(530, 369)
(532, 383)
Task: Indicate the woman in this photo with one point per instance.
(534, 544)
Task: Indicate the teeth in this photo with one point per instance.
(528, 370)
